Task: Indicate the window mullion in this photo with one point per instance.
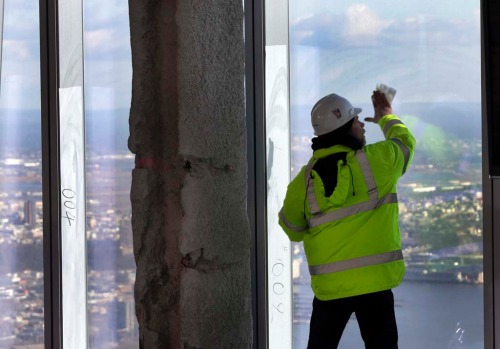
(50, 173)
(72, 174)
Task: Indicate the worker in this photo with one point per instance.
(343, 206)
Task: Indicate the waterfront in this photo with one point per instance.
(429, 315)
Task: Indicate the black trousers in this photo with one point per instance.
(375, 315)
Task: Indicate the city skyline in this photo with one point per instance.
(110, 231)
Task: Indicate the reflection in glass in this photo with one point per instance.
(433, 59)
(278, 161)
(21, 231)
(72, 172)
(111, 265)
(279, 290)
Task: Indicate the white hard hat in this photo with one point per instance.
(330, 113)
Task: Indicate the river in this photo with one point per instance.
(429, 315)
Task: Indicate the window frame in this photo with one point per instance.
(256, 155)
(491, 184)
(52, 64)
(255, 95)
(49, 72)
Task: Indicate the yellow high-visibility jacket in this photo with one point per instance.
(351, 238)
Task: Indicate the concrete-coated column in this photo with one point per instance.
(187, 129)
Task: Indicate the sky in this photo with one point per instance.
(428, 50)
(108, 71)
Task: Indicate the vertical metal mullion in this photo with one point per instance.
(250, 123)
(50, 172)
(490, 185)
(257, 196)
(261, 170)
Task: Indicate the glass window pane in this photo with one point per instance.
(277, 162)
(111, 265)
(72, 174)
(430, 52)
(21, 231)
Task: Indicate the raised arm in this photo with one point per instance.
(394, 130)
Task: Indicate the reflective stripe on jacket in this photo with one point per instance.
(351, 239)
